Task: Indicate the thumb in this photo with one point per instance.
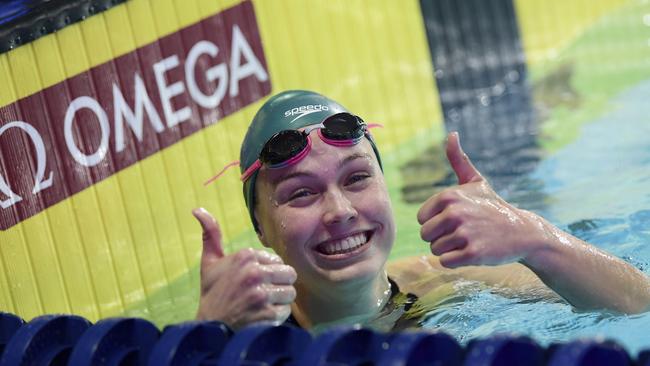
(212, 249)
(459, 161)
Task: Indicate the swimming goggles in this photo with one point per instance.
(288, 147)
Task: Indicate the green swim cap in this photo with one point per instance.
(289, 110)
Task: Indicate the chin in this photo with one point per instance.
(354, 274)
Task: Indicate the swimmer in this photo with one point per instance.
(317, 197)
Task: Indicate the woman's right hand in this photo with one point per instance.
(241, 288)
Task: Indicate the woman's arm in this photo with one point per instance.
(470, 224)
(584, 275)
(424, 274)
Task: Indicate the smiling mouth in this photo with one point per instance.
(346, 245)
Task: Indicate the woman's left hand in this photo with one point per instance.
(469, 224)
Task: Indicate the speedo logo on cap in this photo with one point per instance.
(304, 110)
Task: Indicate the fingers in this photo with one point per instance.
(280, 274)
(274, 274)
(447, 244)
(459, 161)
(270, 284)
(282, 312)
(455, 259)
(457, 250)
(264, 299)
(212, 248)
(436, 204)
(258, 266)
(438, 225)
(271, 313)
(281, 295)
(265, 257)
(246, 286)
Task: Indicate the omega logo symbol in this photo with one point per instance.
(41, 161)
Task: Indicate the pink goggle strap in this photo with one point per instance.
(251, 169)
(228, 166)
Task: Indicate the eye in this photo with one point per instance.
(357, 178)
(301, 193)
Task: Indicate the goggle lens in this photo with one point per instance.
(343, 126)
(283, 146)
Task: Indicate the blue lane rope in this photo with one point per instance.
(73, 340)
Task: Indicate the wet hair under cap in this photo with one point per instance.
(288, 110)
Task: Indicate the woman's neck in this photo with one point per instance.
(355, 303)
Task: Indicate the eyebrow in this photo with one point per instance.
(347, 160)
(280, 179)
(352, 157)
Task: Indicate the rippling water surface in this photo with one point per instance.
(597, 188)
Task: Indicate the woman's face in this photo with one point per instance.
(329, 216)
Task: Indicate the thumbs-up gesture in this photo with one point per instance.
(247, 286)
(469, 224)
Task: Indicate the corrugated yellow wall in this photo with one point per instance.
(548, 26)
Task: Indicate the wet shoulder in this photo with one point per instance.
(424, 276)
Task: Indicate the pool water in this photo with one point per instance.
(597, 188)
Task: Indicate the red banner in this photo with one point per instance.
(72, 135)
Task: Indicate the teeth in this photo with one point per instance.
(344, 245)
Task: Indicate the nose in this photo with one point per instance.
(338, 209)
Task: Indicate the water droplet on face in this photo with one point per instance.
(273, 201)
